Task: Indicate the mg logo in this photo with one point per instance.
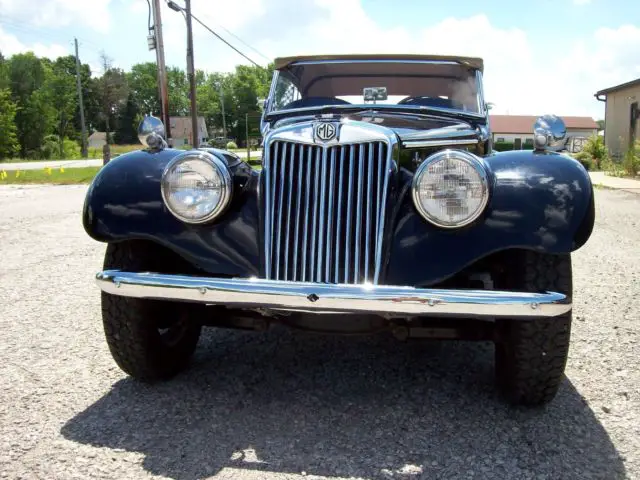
(325, 131)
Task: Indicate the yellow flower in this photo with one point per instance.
(61, 170)
(48, 170)
(17, 173)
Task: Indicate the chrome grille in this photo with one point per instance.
(324, 211)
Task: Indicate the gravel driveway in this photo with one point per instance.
(283, 404)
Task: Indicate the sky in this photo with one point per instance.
(547, 56)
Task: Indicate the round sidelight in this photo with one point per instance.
(451, 188)
(196, 187)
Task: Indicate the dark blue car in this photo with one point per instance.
(380, 206)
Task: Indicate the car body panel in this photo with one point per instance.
(539, 201)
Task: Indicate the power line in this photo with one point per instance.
(219, 37)
(243, 42)
(174, 6)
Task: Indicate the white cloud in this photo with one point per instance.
(59, 13)
(9, 45)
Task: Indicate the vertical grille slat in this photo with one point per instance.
(324, 211)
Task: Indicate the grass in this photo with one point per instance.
(56, 176)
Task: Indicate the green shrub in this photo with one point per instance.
(503, 146)
(631, 161)
(231, 145)
(595, 149)
(585, 159)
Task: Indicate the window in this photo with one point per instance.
(517, 144)
(500, 139)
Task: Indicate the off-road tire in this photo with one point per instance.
(131, 325)
(531, 354)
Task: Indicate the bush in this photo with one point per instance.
(596, 151)
(631, 161)
(503, 146)
(231, 145)
(585, 159)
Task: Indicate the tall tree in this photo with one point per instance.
(64, 99)
(8, 132)
(35, 116)
(113, 93)
(178, 92)
(143, 87)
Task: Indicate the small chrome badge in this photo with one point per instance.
(325, 131)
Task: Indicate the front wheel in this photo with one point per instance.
(531, 354)
(149, 340)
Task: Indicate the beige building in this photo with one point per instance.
(622, 116)
(181, 131)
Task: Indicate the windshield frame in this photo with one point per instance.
(269, 111)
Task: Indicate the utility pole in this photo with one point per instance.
(191, 75)
(79, 84)
(162, 69)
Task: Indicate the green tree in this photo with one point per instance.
(62, 91)
(35, 116)
(8, 132)
(113, 91)
(248, 83)
(178, 92)
(143, 87)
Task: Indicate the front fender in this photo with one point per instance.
(124, 202)
(540, 201)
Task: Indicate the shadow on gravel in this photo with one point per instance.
(359, 406)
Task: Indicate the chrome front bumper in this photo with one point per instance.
(327, 298)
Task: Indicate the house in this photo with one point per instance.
(97, 140)
(621, 125)
(518, 129)
(181, 131)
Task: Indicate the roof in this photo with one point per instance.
(98, 136)
(622, 86)
(524, 123)
(472, 62)
(182, 125)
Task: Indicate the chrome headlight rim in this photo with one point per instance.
(474, 161)
(222, 170)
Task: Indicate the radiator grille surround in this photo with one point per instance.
(324, 210)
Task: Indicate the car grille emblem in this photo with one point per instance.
(325, 131)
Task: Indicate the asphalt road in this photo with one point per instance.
(284, 405)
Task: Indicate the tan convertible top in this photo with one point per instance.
(472, 62)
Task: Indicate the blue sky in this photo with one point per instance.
(540, 57)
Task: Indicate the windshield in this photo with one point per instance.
(432, 84)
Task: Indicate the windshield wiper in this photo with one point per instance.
(445, 112)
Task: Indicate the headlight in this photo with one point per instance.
(450, 188)
(196, 186)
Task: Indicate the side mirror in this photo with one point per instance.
(151, 133)
(549, 133)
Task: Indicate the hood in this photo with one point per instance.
(413, 130)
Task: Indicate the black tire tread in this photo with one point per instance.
(531, 355)
(131, 324)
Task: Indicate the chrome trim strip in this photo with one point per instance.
(322, 196)
(307, 214)
(280, 201)
(296, 242)
(381, 299)
(268, 209)
(439, 143)
(330, 216)
(356, 257)
(349, 213)
(316, 207)
(367, 221)
(339, 217)
(290, 194)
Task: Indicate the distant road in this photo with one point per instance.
(71, 163)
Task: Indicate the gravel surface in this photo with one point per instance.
(283, 404)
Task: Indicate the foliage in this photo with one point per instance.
(503, 146)
(595, 150)
(8, 132)
(631, 161)
(600, 124)
(43, 101)
(585, 159)
(231, 145)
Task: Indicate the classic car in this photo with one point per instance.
(380, 207)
